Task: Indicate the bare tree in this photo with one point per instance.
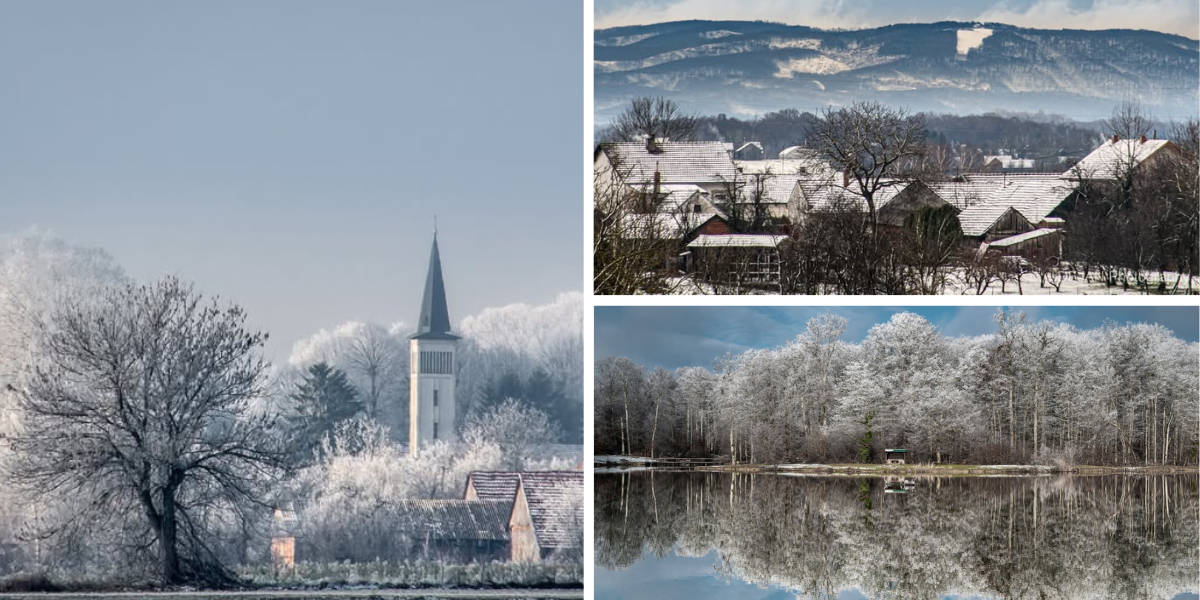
(875, 146)
(659, 118)
(378, 358)
(630, 247)
(1128, 120)
(140, 405)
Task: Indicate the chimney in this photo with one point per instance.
(1115, 138)
(1143, 139)
(657, 182)
(845, 178)
(652, 145)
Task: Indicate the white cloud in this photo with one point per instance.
(1169, 16)
(813, 13)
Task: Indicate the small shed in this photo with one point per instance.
(283, 538)
(899, 455)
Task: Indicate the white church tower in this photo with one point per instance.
(431, 379)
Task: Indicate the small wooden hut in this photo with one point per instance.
(899, 456)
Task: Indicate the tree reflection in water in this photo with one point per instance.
(1118, 537)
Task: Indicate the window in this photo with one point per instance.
(435, 397)
(696, 208)
(435, 431)
(437, 363)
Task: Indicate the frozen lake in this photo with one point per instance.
(696, 536)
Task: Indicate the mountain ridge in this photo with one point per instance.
(748, 67)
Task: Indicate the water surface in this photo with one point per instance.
(695, 536)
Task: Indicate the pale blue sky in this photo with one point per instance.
(291, 154)
(1181, 17)
(677, 336)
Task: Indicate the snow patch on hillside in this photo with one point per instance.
(970, 39)
(820, 65)
(624, 40)
(720, 33)
(806, 43)
(832, 62)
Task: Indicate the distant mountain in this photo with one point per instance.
(743, 68)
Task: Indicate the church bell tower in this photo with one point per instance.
(431, 365)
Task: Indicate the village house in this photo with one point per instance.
(704, 199)
(1117, 156)
(546, 516)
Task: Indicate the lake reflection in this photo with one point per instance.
(685, 535)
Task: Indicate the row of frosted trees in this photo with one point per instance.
(1044, 392)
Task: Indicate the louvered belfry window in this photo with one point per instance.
(437, 363)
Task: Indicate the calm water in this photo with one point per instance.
(694, 536)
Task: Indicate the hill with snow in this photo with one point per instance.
(747, 68)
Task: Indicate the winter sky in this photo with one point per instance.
(1181, 17)
(290, 155)
(674, 337)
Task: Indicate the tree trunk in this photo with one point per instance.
(168, 548)
(654, 432)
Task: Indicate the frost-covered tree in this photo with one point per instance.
(139, 407)
(513, 427)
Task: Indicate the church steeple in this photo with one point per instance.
(434, 323)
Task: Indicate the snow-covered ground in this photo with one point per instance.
(613, 458)
(1030, 284)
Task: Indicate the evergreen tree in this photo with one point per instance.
(323, 399)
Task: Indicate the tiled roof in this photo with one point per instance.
(737, 240)
(1023, 237)
(984, 198)
(453, 519)
(663, 225)
(1112, 157)
(978, 219)
(494, 486)
(678, 162)
(553, 496)
(823, 193)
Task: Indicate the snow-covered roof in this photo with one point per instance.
(799, 152)
(984, 198)
(824, 193)
(1022, 237)
(785, 166)
(678, 162)
(978, 219)
(737, 240)
(749, 144)
(1112, 157)
(664, 225)
(672, 196)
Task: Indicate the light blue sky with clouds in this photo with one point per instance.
(1181, 17)
(674, 337)
(291, 154)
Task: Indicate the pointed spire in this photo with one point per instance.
(434, 322)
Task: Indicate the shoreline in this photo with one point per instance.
(949, 470)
